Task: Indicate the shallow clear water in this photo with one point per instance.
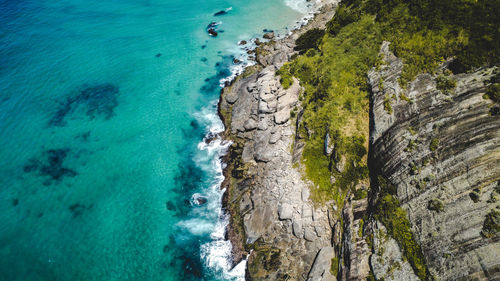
(103, 105)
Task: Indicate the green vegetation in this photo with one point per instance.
(434, 144)
(360, 194)
(309, 40)
(335, 101)
(412, 131)
(387, 104)
(424, 33)
(286, 79)
(491, 225)
(405, 98)
(394, 218)
(267, 259)
(395, 266)
(334, 269)
(360, 227)
(333, 66)
(435, 205)
(411, 146)
(445, 84)
(493, 93)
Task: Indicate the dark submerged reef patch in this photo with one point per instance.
(222, 68)
(83, 136)
(51, 166)
(78, 209)
(189, 175)
(99, 100)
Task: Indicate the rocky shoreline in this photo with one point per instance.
(272, 220)
(434, 177)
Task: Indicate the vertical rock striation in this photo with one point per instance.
(441, 152)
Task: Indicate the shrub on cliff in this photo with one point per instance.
(395, 219)
(491, 225)
(310, 39)
(445, 84)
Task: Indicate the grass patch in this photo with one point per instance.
(310, 39)
(334, 268)
(395, 219)
(360, 194)
(387, 104)
(445, 84)
(335, 100)
(433, 146)
(360, 229)
(405, 98)
(286, 79)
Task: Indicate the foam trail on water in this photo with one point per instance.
(216, 254)
(298, 5)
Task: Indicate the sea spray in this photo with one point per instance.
(216, 254)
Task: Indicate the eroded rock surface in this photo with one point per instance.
(289, 236)
(437, 149)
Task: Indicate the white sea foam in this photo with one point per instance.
(301, 6)
(216, 254)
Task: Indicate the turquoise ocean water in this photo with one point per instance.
(103, 109)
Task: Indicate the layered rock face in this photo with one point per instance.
(441, 151)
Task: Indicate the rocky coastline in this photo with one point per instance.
(434, 177)
(272, 220)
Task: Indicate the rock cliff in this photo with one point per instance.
(439, 149)
(434, 160)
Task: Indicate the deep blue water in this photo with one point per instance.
(103, 105)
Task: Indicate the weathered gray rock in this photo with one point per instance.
(263, 178)
(282, 116)
(257, 222)
(250, 124)
(310, 234)
(285, 211)
(387, 262)
(269, 35)
(307, 211)
(298, 229)
(321, 268)
(456, 149)
(263, 154)
(232, 98)
(274, 138)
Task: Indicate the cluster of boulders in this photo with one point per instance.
(276, 208)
